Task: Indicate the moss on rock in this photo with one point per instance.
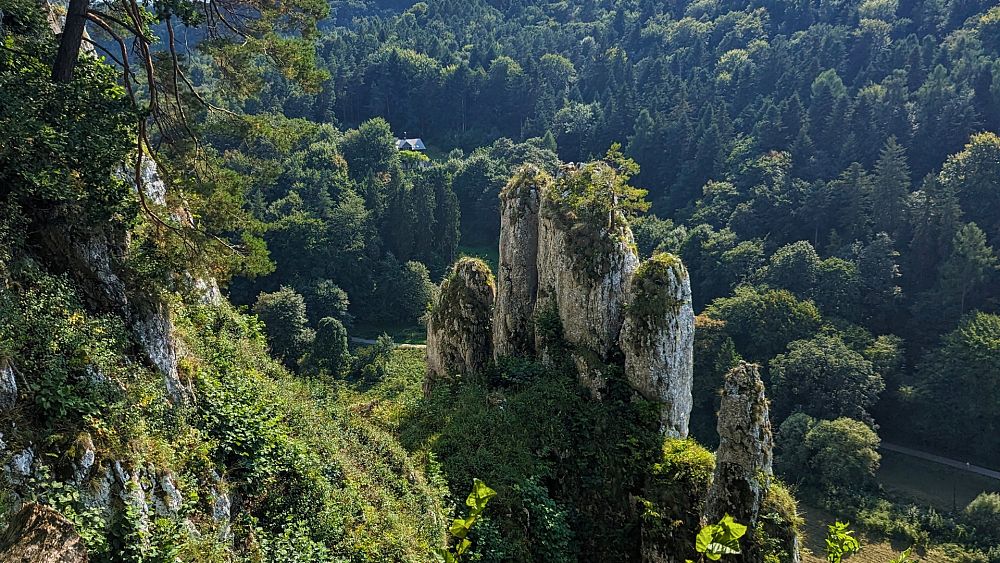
(459, 326)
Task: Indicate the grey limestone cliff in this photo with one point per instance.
(658, 340)
(517, 272)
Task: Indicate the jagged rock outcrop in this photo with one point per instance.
(584, 267)
(658, 340)
(517, 273)
(459, 333)
(743, 461)
(38, 533)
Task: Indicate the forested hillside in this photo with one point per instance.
(840, 153)
(771, 225)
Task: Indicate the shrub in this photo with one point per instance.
(844, 454)
(329, 350)
(983, 514)
(284, 316)
(831, 455)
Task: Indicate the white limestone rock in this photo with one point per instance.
(658, 340)
(517, 274)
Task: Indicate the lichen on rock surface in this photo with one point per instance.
(658, 340)
(459, 325)
(517, 274)
(743, 460)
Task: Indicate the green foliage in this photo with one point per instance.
(831, 455)
(284, 316)
(716, 540)
(559, 462)
(599, 193)
(62, 144)
(89, 521)
(840, 542)
(671, 503)
(983, 514)
(73, 357)
(763, 323)
(329, 348)
(957, 382)
(460, 527)
(823, 378)
(291, 449)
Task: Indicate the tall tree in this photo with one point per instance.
(890, 188)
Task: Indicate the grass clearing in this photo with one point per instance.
(405, 334)
(928, 483)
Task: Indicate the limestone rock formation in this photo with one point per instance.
(517, 274)
(658, 340)
(586, 281)
(459, 329)
(743, 461)
(38, 533)
(8, 385)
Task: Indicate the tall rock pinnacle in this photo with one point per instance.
(459, 327)
(517, 274)
(743, 460)
(658, 340)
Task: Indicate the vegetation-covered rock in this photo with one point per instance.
(459, 333)
(658, 339)
(586, 257)
(743, 464)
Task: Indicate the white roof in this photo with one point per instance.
(410, 145)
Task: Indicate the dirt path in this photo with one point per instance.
(965, 466)
(369, 342)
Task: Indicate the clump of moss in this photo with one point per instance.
(673, 498)
(654, 289)
(466, 295)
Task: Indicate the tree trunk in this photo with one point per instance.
(70, 41)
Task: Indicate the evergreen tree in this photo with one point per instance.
(890, 188)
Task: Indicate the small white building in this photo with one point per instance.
(410, 145)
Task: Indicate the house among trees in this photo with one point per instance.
(405, 144)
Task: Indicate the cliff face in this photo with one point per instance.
(517, 274)
(658, 340)
(459, 326)
(743, 460)
(584, 270)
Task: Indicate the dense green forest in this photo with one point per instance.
(828, 172)
(202, 206)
